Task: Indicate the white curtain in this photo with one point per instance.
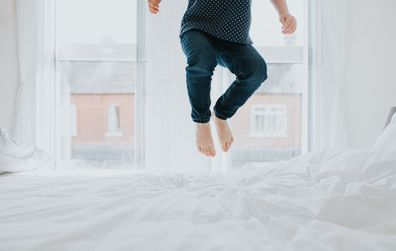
(28, 16)
(170, 135)
(355, 86)
(332, 34)
(8, 63)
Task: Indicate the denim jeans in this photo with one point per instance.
(204, 52)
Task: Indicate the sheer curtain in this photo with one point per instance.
(355, 86)
(331, 53)
(29, 27)
(170, 136)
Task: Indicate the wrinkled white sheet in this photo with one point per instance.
(334, 200)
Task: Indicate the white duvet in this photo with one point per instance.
(334, 200)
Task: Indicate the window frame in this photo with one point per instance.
(48, 117)
(47, 123)
(114, 131)
(285, 55)
(254, 133)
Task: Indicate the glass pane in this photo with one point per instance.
(266, 28)
(270, 138)
(269, 126)
(96, 64)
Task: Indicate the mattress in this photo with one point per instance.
(331, 200)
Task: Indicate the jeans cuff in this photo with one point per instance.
(201, 121)
(220, 116)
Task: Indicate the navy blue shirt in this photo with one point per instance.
(225, 19)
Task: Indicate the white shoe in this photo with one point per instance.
(13, 148)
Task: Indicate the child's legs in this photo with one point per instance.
(250, 70)
(201, 62)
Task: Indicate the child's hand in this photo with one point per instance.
(154, 6)
(289, 23)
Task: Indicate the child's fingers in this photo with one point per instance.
(153, 7)
(287, 29)
(154, 10)
(283, 21)
(290, 26)
(293, 27)
(290, 31)
(288, 23)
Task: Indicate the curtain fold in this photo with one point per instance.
(28, 15)
(356, 84)
(330, 87)
(170, 136)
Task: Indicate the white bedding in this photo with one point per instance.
(334, 200)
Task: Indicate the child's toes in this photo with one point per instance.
(212, 152)
(230, 143)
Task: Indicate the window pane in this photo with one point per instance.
(92, 21)
(96, 64)
(269, 120)
(265, 30)
(269, 126)
(276, 108)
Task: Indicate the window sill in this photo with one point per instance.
(113, 134)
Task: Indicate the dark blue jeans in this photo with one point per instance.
(204, 52)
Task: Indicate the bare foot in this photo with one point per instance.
(204, 139)
(224, 132)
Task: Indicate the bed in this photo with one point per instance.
(328, 200)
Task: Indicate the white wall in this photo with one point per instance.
(8, 63)
(371, 68)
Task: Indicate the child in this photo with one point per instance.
(217, 32)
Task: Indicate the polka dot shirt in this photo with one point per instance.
(225, 19)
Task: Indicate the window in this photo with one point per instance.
(98, 74)
(269, 121)
(272, 124)
(114, 121)
(99, 67)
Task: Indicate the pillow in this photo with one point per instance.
(387, 138)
